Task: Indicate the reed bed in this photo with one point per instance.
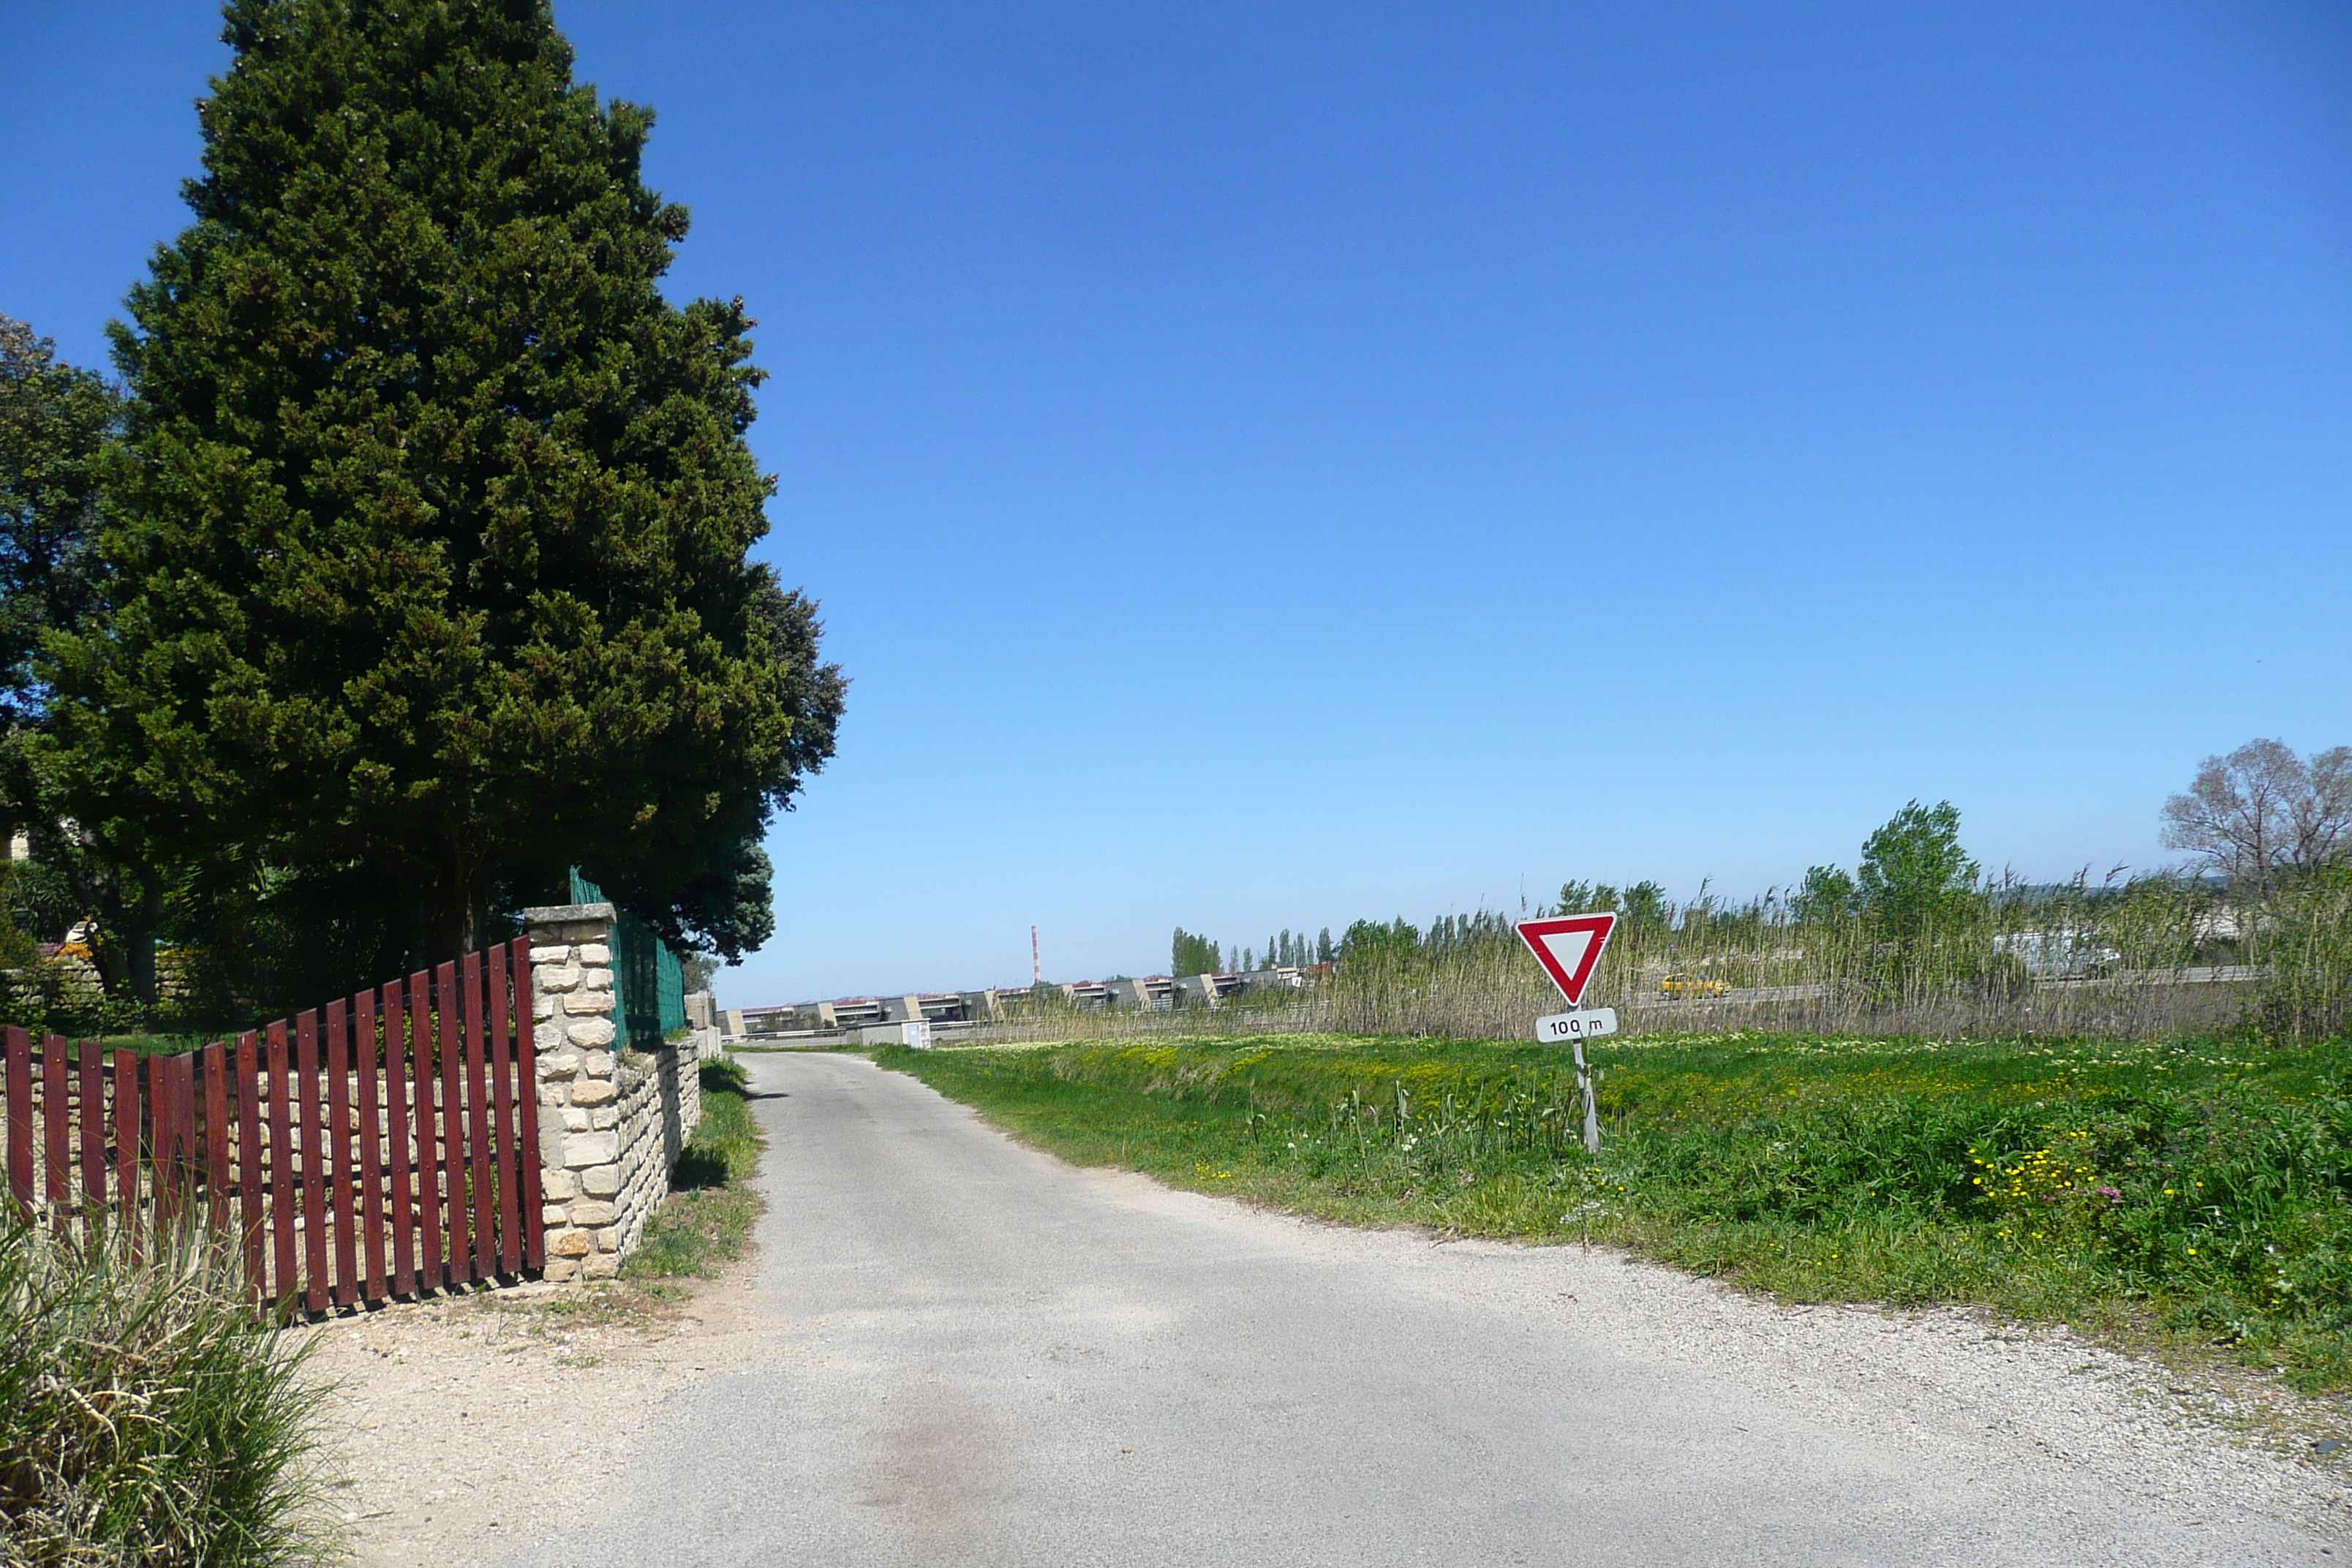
(2150, 960)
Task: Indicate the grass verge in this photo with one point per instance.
(145, 1416)
(706, 1219)
(2183, 1193)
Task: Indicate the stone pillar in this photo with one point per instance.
(613, 1120)
(579, 1115)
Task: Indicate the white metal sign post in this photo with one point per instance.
(1570, 947)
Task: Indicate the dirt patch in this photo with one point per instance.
(463, 1428)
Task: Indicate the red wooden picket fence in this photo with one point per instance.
(385, 1144)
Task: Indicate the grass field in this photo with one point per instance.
(2192, 1193)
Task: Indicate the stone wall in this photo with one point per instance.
(613, 1120)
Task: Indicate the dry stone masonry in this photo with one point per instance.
(613, 1120)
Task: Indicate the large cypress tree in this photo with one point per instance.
(430, 554)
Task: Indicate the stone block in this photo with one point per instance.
(582, 1150)
(572, 1244)
(542, 1008)
(591, 1212)
(597, 1064)
(590, 1032)
(560, 1270)
(603, 1266)
(609, 1239)
(593, 1091)
(596, 980)
(580, 1003)
(555, 977)
(556, 1187)
(575, 1120)
(554, 1094)
(555, 953)
(600, 1181)
(603, 1117)
(550, 1213)
(595, 952)
(560, 1062)
(544, 1038)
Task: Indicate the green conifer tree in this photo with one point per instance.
(431, 552)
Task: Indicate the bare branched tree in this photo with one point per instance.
(2261, 810)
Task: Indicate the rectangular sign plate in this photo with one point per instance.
(1555, 1027)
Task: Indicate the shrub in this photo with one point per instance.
(145, 1416)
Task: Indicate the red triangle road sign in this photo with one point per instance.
(1569, 947)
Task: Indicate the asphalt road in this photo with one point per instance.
(986, 1357)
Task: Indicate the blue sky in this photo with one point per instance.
(1265, 465)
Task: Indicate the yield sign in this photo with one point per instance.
(1569, 947)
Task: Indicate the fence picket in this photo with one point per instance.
(428, 1164)
(505, 1158)
(342, 1205)
(313, 1143)
(481, 1172)
(216, 1177)
(93, 1130)
(534, 1234)
(250, 1218)
(364, 1056)
(163, 1133)
(57, 1158)
(460, 1256)
(126, 1141)
(282, 1190)
(20, 1119)
(395, 1094)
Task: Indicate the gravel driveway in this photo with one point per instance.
(984, 1356)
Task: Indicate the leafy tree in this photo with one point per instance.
(1645, 907)
(1825, 897)
(54, 421)
(2262, 810)
(1325, 952)
(433, 520)
(1191, 954)
(1913, 877)
(1586, 897)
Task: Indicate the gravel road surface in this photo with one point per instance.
(987, 1357)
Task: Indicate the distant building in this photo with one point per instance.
(1155, 993)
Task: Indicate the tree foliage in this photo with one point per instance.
(433, 514)
(53, 422)
(2261, 810)
(1193, 954)
(1914, 874)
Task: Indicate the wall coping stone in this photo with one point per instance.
(565, 914)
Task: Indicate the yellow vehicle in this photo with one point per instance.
(1693, 985)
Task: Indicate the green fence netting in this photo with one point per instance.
(649, 985)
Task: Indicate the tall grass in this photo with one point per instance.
(2151, 951)
(145, 1416)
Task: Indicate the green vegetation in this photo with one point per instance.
(2199, 1192)
(707, 1217)
(146, 1417)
